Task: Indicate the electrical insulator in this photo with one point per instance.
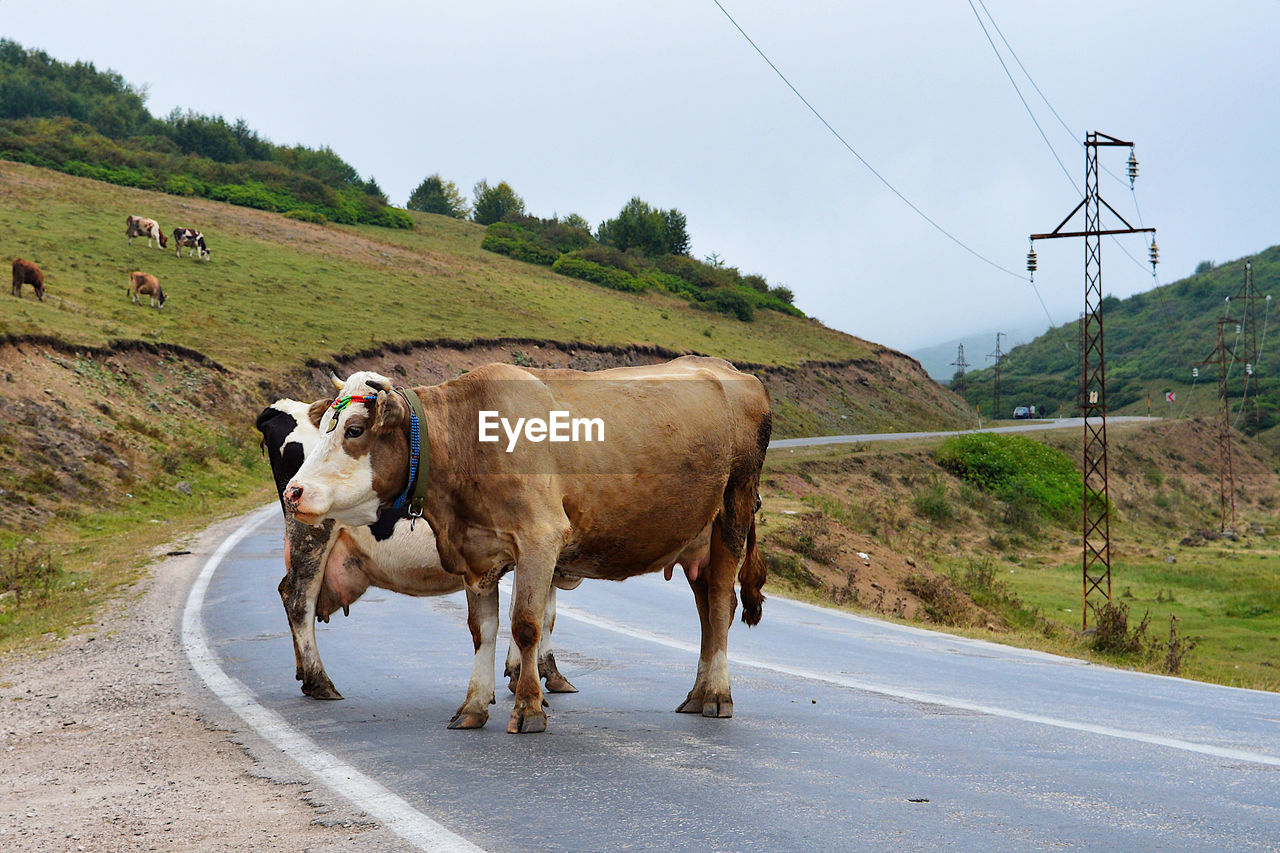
(1238, 329)
(1248, 368)
(1133, 168)
(1154, 253)
(1195, 373)
(1031, 261)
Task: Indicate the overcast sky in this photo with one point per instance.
(582, 105)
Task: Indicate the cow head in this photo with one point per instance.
(361, 460)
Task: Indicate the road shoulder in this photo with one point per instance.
(110, 743)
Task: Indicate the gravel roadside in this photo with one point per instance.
(111, 744)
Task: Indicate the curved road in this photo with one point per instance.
(850, 734)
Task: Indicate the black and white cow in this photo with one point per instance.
(329, 566)
(193, 240)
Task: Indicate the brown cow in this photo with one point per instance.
(145, 284)
(329, 567)
(138, 226)
(25, 272)
(604, 475)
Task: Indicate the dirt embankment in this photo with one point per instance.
(87, 424)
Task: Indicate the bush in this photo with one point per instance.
(1017, 470)
(932, 503)
(520, 250)
(307, 216)
(730, 302)
(578, 267)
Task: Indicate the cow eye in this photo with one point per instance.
(354, 432)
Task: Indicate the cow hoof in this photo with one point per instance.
(720, 708)
(321, 689)
(530, 722)
(692, 704)
(557, 683)
(469, 720)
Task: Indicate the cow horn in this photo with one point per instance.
(337, 383)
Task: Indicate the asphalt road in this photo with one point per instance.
(850, 734)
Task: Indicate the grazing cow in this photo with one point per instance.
(330, 566)
(145, 284)
(25, 272)
(193, 240)
(138, 226)
(665, 470)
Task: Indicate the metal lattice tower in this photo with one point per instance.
(1097, 516)
(999, 357)
(960, 364)
(1249, 341)
(1222, 357)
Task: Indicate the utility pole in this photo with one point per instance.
(1249, 339)
(958, 382)
(1226, 471)
(1097, 506)
(999, 357)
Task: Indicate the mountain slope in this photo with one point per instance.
(1153, 340)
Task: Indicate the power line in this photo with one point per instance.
(1154, 277)
(1014, 83)
(944, 232)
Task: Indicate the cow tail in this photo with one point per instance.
(751, 578)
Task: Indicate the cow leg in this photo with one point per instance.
(482, 619)
(534, 571)
(711, 694)
(307, 549)
(552, 677)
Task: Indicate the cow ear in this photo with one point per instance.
(315, 412)
(390, 412)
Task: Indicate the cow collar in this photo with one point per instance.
(415, 489)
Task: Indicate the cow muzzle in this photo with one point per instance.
(293, 498)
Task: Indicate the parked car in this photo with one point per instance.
(1023, 413)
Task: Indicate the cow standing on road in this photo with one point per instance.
(674, 479)
(25, 272)
(139, 226)
(329, 567)
(191, 239)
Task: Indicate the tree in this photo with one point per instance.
(1204, 267)
(436, 195)
(641, 226)
(495, 204)
(677, 232)
(577, 220)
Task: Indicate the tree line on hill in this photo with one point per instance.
(76, 119)
(642, 248)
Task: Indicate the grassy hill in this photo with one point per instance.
(1153, 340)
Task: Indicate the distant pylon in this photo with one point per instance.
(1249, 342)
(999, 357)
(960, 364)
(1226, 470)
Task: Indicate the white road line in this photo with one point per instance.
(393, 812)
(927, 698)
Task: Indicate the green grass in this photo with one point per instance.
(1228, 601)
(277, 290)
